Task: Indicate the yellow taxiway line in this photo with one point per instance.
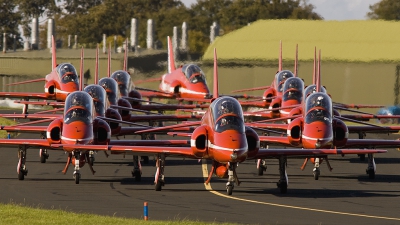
(209, 188)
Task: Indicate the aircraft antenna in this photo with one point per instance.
(81, 73)
(96, 68)
(215, 91)
(280, 56)
(171, 60)
(315, 66)
(296, 60)
(53, 51)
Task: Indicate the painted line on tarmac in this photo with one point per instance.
(209, 188)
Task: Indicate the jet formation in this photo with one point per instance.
(292, 119)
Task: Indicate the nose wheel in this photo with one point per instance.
(261, 166)
(77, 176)
(283, 178)
(21, 168)
(43, 155)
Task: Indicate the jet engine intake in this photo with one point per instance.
(101, 131)
(340, 132)
(199, 141)
(54, 131)
(294, 131)
(253, 142)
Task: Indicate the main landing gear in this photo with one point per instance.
(21, 168)
(137, 168)
(283, 178)
(261, 166)
(43, 154)
(232, 178)
(159, 176)
(371, 169)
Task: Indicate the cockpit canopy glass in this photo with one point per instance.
(193, 73)
(312, 89)
(293, 89)
(318, 107)
(111, 88)
(99, 98)
(124, 81)
(280, 78)
(78, 107)
(229, 123)
(67, 73)
(227, 106)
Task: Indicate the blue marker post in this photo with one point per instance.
(8, 135)
(146, 211)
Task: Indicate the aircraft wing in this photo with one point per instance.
(41, 103)
(23, 95)
(278, 126)
(372, 143)
(25, 129)
(373, 129)
(32, 116)
(136, 118)
(275, 140)
(311, 153)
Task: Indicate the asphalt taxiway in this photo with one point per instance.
(344, 196)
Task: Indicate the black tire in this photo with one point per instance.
(260, 171)
(316, 175)
(371, 174)
(145, 159)
(229, 189)
(283, 187)
(77, 178)
(137, 175)
(91, 161)
(158, 186)
(42, 158)
(21, 175)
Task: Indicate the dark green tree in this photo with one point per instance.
(385, 10)
(10, 18)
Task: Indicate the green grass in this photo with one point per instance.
(18, 214)
(7, 122)
(347, 41)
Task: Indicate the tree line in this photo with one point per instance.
(90, 19)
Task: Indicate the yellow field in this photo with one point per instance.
(346, 41)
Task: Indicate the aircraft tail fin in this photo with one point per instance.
(53, 53)
(109, 61)
(315, 66)
(126, 56)
(96, 68)
(319, 72)
(81, 72)
(171, 60)
(296, 60)
(215, 91)
(280, 56)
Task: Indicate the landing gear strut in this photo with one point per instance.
(44, 155)
(137, 168)
(316, 170)
(283, 178)
(261, 166)
(159, 176)
(232, 178)
(371, 169)
(21, 168)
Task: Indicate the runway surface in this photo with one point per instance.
(344, 196)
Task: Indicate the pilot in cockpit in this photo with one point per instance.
(226, 107)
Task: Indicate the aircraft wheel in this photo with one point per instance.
(371, 174)
(91, 160)
(316, 175)
(21, 175)
(158, 186)
(77, 177)
(145, 159)
(229, 189)
(137, 175)
(43, 156)
(282, 187)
